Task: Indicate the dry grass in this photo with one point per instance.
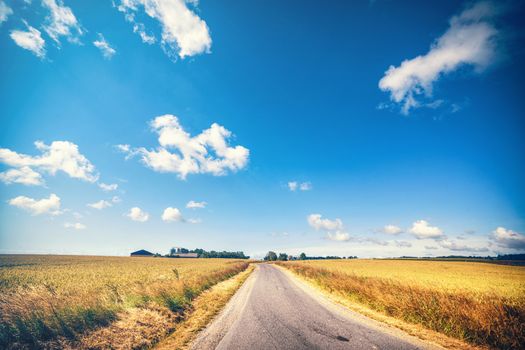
(441, 297)
(94, 302)
(205, 307)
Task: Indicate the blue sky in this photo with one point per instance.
(366, 128)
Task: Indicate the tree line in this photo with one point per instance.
(272, 256)
(209, 254)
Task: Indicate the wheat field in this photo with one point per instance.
(479, 303)
(90, 302)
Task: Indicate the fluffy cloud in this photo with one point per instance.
(454, 246)
(172, 215)
(49, 205)
(124, 148)
(101, 204)
(104, 47)
(61, 22)
(292, 185)
(141, 30)
(24, 175)
(334, 228)
(508, 238)
(196, 205)
(137, 214)
(392, 230)
(421, 229)
(108, 187)
(59, 156)
(183, 32)
(371, 240)
(469, 41)
(402, 244)
(318, 223)
(30, 40)
(207, 152)
(339, 236)
(5, 11)
(303, 186)
(76, 226)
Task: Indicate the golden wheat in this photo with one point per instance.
(69, 301)
(482, 304)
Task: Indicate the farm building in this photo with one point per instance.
(185, 255)
(178, 252)
(141, 252)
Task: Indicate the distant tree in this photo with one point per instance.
(211, 254)
(270, 256)
(283, 257)
(302, 256)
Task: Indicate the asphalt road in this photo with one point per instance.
(274, 310)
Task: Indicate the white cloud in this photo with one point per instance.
(172, 214)
(183, 32)
(338, 236)
(123, 148)
(146, 38)
(61, 22)
(101, 204)
(403, 244)
(137, 214)
(49, 205)
(59, 156)
(318, 223)
(193, 221)
(104, 47)
(454, 246)
(207, 152)
(108, 187)
(508, 239)
(76, 226)
(392, 230)
(196, 205)
(421, 229)
(116, 199)
(24, 175)
(5, 12)
(303, 186)
(469, 41)
(30, 40)
(371, 240)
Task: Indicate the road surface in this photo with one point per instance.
(274, 310)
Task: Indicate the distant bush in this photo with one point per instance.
(222, 255)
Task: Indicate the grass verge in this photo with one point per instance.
(484, 320)
(204, 309)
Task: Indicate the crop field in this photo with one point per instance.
(482, 304)
(94, 302)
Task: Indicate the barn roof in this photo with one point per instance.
(141, 252)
